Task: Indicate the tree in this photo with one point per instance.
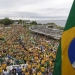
(33, 23)
(1, 22)
(39, 24)
(20, 21)
(7, 21)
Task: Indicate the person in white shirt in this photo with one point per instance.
(8, 68)
(5, 72)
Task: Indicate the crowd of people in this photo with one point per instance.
(25, 53)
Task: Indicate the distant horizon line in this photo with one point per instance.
(34, 19)
(42, 18)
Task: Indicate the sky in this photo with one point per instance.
(35, 9)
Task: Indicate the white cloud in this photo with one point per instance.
(34, 8)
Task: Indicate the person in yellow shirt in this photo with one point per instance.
(42, 69)
(36, 58)
(43, 62)
(33, 65)
(4, 66)
(23, 69)
(37, 66)
(29, 66)
(1, 70)
(34, 73)
(54, 56)
(26, 73)
(39, 73)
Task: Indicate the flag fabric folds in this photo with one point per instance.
(65, 58)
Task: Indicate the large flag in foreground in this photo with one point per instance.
(65, 59)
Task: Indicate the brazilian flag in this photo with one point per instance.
(65, 59)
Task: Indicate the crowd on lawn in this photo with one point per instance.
(25, 53)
